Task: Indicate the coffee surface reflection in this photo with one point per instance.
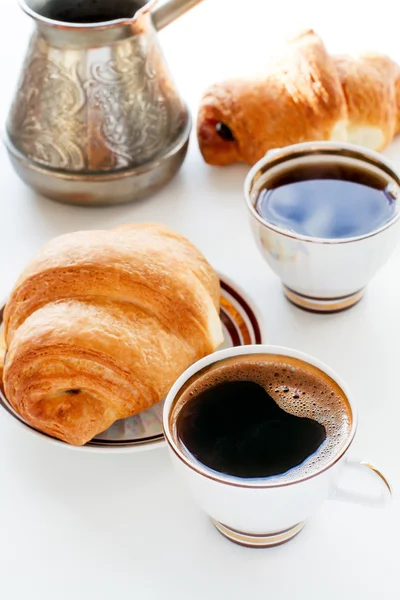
(328, 200)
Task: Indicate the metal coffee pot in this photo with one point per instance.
(97, 118)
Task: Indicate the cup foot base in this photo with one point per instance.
(323, 305)
(252, 540)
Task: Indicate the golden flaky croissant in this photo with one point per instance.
(3, 349)
(101, 323)
(304, 95)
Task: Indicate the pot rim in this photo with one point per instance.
(147, 8)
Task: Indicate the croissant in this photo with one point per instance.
(304, 95)
(2, 356)
(101, 324)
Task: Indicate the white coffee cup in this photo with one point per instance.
(322, 275)
(264, 512)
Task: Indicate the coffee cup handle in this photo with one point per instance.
(348, 495)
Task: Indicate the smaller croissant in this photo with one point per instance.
(101, 324)
(304, 95)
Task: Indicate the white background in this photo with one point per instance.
(76, 526)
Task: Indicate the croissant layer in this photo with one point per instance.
(102, 323)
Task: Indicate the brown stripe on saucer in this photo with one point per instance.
(249, 311)
(229, 325)
(236, 323)
(143, 441)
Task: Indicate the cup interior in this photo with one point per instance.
(316, 153)
(175, 402)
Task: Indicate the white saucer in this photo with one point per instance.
(242, 325)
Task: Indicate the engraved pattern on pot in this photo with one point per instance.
(123, 112)
(46, 123)
(133, 107)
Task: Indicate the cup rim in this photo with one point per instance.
(239, 351)
(280, 155)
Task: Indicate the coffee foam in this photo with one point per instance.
(297, 387)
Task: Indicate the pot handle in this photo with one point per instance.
(168, 11)
(365, 498)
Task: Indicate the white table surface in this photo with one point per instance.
(78, 526)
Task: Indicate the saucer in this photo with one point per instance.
(241, 324)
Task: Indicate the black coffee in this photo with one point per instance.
(85, 18)
(328, 201)
(261, 416)
(261, 441)
(91, 11)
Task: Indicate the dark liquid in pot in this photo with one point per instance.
(92, 11)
